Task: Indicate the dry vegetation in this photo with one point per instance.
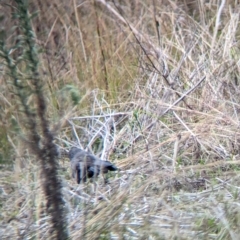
(153, 86)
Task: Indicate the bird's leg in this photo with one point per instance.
(105, 179)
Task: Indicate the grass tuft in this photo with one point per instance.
(150, 86)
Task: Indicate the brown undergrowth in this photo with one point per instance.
(152, 86)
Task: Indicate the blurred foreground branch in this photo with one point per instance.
(21, 60)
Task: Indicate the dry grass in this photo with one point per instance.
(162, 103)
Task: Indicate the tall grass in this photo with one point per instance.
(154, 87)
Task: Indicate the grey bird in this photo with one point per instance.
(85, 165)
